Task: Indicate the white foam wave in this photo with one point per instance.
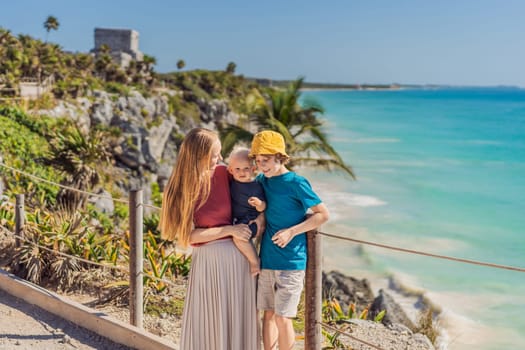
(456, 330)
(358, 200)
(341, 203)
(344, 206)
(462, 329)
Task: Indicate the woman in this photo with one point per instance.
(220, 310)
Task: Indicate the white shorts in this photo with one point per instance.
(280, 291)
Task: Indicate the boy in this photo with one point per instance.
(248, 201)
(283, 247)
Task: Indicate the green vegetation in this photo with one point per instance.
(22, 57)
(158, 306)
(56, 150)
(335, 86)
(24, 143)
(264, 108)
(208, 85)
(61, 221)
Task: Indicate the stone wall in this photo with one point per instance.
(31, 88)
(119, 40)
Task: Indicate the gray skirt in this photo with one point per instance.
(220, 310)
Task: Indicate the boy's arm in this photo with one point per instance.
(261, 224)
(320, 216)
(259, 204)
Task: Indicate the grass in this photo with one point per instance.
(159, 305)
(298, 322)
(426, 326)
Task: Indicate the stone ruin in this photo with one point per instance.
(123, 44)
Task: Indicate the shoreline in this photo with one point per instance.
(353, 88)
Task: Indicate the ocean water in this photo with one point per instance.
(439, 171)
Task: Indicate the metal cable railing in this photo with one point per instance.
(365, 242)
(86, 261)
(337, 330)
(412, 251)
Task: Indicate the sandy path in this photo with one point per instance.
(27, 327)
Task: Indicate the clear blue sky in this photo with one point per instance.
(458, 42)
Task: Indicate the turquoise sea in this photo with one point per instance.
(439, 171)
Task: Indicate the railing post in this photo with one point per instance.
(136, 288)
(19, 217)
(313, 292)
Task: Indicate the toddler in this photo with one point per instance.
(248, 201)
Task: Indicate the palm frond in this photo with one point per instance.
(233, 135)
(279, 110)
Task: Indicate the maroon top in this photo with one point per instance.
(217, 211)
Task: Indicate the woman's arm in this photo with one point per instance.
(204, 235)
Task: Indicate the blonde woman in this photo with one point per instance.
(219, 310)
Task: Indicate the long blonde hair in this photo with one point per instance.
(188, 186)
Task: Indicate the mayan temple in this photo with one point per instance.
(123, 44)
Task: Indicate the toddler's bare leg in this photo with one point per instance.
(248, 250)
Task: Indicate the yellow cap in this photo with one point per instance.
(268, 142)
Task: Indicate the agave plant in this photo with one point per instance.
(62, 271)
(81, 158)
(29, 261)
(47, 236)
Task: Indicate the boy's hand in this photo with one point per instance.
(283, 237)
(257, 203)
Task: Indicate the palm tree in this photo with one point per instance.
(51, 23)
(149, 62)
(181, 64)
(4, 35)
(279, 110)
(230, 69)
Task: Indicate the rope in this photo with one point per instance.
(405, 250)
(72, 188)
(349, 335)
(61, 186)
(411, 251)
(151, 206)
(64, 254)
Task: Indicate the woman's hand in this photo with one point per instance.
(241, 232)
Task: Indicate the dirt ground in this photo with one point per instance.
(27, 327)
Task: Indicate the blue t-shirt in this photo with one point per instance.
(288, 197)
